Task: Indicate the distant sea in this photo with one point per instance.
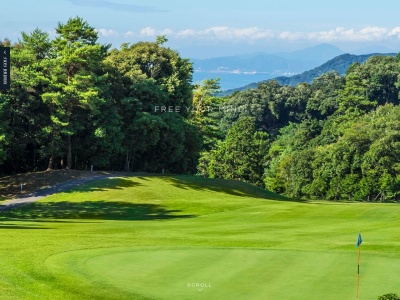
(232, 80)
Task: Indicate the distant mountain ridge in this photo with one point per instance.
(320, 53)
(339, 64)
(276, 63)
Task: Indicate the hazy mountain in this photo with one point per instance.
(340, 64)
(259, 63)
(284, 63)
(318, 54)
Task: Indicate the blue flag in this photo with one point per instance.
(359, 240)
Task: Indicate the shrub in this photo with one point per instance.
(389, 297)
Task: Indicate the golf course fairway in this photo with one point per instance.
(185, 237)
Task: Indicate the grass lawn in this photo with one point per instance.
(192, 238)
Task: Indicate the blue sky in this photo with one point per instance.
(210, 28)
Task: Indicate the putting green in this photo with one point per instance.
(185, 237)
(212, 273)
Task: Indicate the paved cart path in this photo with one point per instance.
(57, 188)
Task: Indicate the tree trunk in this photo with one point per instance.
(127, 163)
(69, 153)
(52, 156)
(51, 163)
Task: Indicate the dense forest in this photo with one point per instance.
(336, 138)
(75, 102)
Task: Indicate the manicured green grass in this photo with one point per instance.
(194, 238)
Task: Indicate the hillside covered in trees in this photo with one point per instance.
(336, 138)
(340, 64)
(75, 103)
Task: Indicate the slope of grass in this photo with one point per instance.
(194, 238)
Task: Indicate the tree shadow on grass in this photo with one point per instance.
(97, 210)
(231, 187)
(101, 184)
(14, 226)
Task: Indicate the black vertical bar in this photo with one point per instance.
(358, 270)
(5, 68)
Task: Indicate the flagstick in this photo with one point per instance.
(358, 270)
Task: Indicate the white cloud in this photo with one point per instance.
(227, 33)
(395, 32)
(185, 33)
(107, 32)
(217, 32)
(287, 35)
(148, 31)
(252, 34)
(130, 34)
(366, 34)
